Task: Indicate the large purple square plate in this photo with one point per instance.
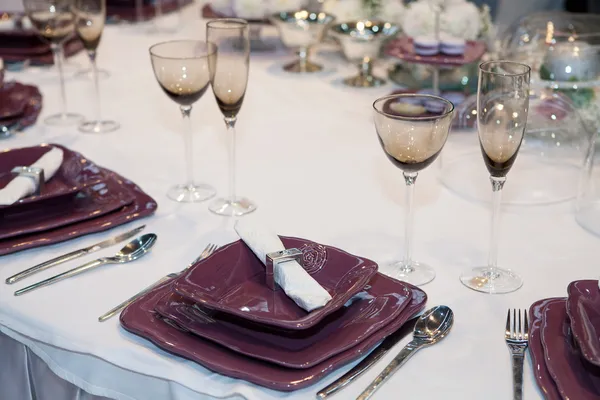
(583, 307)
(141, 319)
(404, 49)
(575, 378)
(75, 173)
(364, 315)
(536, 351)
(232, 280)
(142, 206)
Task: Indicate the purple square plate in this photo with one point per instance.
(575, 378)
(75, 173)
(404, 49)
(141, 319)
(536, 351)
(364, 315)
(12, 102)
(142, 206)
(33, 105)
(583, 307)
(92, 202)
(232, 280)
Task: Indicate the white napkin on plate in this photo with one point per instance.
(22, 186)
(291, 277)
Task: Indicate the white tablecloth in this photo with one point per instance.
(306, 135)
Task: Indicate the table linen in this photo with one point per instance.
(345, 193)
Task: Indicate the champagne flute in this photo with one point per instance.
(89, 23)
(502, 109)
(229, 78)
(181, 68)
(54, 21)
(412, 130)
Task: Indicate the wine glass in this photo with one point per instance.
(502, 109)
(412, 130)
(229, 78)
(55, 22)
(181, 68)
(89, 23)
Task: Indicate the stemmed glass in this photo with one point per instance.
(89, 23)
(55, 22)
(412, 130)
(229, 78)
(502, 109)
(181, 68)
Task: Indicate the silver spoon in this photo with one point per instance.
(431, 327)
(131, 252)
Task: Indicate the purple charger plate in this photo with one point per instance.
(12, 103)
(575, 378)
(232, 280)
(404, 49)
(377, 305)
(75, 173)
(125, 12)
(37, 57)
(536, 351)
(32, 109)
(583, 307)
(92, 202)
(140, 319)
(142, 206)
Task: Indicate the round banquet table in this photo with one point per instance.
(309, 157)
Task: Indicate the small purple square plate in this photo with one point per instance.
(575, 378)
(12, 102)
(583, 307)
(140, 319)
(232, 280)
(75, 173)
(536, 351)
(364, 315)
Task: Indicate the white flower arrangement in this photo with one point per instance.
(352, 10)
(253, 9)
(459, 18)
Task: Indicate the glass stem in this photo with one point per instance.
(57, 52)
(409, 178)
(189, 145)
(230, 122)
(92, 54)
(497, 185)
(303, 55)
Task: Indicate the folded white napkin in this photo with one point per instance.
(22, 186)
(291, 277)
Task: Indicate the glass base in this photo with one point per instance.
(63, 119)
(99, 126)
(87, 74)
(416, 273)
(492, 281)
(364, 81)
(241, 206)
(302, 67)
(191, 193)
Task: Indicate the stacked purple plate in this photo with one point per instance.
(20, 106)
(81, 198)
(221, 314)
(564, 343)
(127, 10)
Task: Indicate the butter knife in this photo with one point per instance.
(74, 255)
(369, 360)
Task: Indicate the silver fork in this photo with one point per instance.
(517, 340)
(208, 250)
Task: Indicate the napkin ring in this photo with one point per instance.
(34, 173)
(280, 257)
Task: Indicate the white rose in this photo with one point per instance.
(462, 20)
(418, 19)
(285, 5)
(392, 11)
(223, 7)
(250, 9)
(345, 10)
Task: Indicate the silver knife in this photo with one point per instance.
(369, 360)
(74, 255)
